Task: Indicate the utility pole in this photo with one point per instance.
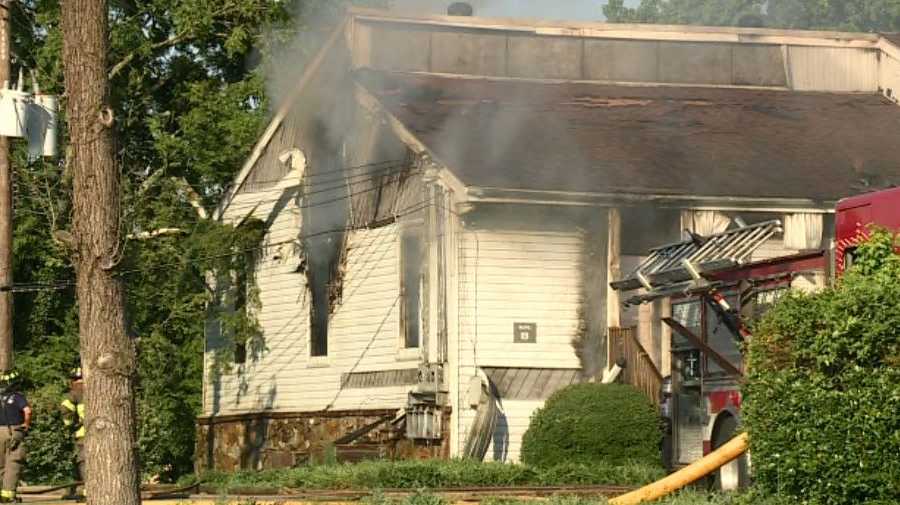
(6, 207)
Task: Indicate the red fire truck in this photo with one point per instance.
(714, 288)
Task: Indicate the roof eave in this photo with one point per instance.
(278, 119)
(626, 30)
(659, 199)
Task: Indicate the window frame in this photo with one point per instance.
(414, 227)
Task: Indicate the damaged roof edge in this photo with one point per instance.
(277, 120)
(627, 30)
(371, 103)
(697, 202)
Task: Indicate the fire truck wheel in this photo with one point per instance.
(734, 475)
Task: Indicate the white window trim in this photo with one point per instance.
(319, 361)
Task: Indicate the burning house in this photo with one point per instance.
(446, 200)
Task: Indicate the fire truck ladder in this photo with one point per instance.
(682, 267)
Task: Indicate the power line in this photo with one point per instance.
(260, 203)
(344, 170)
(65, 284)
(37, 287)
(343, 180)
(403, 212)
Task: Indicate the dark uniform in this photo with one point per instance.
(15, 414)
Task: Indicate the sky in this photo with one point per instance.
(578, 10)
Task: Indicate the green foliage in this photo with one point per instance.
(593, 423)
(189, 99)
(843, 15)
(433, 474)
(51, 452)
(823, 398)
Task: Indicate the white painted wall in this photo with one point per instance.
(833, 69)
(889, 74)
(507, 277)
(772, 248)
(364, 332)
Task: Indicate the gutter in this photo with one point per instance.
(485, 194)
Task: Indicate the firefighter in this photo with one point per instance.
(15, 420)
(73, 415)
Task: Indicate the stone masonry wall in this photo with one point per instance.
(279, 440)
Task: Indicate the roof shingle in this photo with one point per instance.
(641, 140)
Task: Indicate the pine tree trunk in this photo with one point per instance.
(108, 355)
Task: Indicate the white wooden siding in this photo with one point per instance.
(833, 69)
(507, 277)
(363, 332)
(512, 425)
(889, 77)
(772, 248)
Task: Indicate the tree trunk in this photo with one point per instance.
(108, 355)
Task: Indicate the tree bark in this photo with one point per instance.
(108, 354)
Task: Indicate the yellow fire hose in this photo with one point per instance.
(691, 473)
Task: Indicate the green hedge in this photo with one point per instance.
(822, 403)
(431, 474)
(594, 423)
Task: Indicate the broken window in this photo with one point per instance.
(412, 254)
(326, 261)
(318, 345)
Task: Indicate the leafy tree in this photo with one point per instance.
(188, 83)
(822, 401)
(842, 15)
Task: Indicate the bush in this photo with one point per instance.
(594, 423)
(432, 474)
(822, 403)
(51, 451)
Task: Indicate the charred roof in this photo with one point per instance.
(716, 142)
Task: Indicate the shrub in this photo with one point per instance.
(432, 474)
(822, 403)
(593, 423)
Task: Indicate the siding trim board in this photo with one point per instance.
(531, 383)
(259, 416)
(380, 379)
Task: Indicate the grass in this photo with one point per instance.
(432, 474)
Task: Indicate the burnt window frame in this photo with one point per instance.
(416, 229)
(318, 347)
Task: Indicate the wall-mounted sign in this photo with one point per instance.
(524, 333)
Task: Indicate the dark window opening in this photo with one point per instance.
(326, 257)
(240, 353)
(320, 312)
(709, 326)
(849, 258)
(721, 339)
(412, 253)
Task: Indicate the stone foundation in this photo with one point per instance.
(279, 440)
